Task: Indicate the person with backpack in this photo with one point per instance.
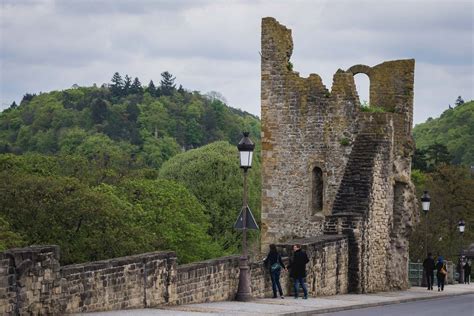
(441, 273)
(275, 265)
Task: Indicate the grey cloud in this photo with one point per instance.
(213, 45)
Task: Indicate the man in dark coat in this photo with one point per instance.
(298, 269)
(429, 267)
(467, 273)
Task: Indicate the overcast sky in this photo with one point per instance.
(214, 45)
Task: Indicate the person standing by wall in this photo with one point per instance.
(275, 265)
(467, 273)
(442, 271)
(429, 267)
(298, 269)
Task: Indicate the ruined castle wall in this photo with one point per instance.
(303, 126)
(364, 159)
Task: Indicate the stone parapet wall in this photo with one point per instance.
(212, 280)
(130, 282)
(37, 285)
(32, 281)
(8, 287)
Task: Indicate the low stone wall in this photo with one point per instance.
(32, 281)
(129, 282)
(212, 280)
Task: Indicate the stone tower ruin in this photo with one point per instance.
(330, 168)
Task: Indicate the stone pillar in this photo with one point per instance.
(37, 273)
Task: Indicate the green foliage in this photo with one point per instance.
(372, 109)
(70, 161)
(419, 179)
(167, 85)
(344, 141)
(452, 198)
(213, 175)
(454, 129)
(173, 216)
(87, 224)
(289, 66)
(124, 115)
(8, 238)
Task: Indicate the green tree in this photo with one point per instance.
(453, 129)
(213, 175)
(151, 89)
(136, 87)
(99, 111)
(174, 217)
(87, 224)
(127, 84)
(117, 85)
(167, 84)
(452, 198)
(8, 238)
(459, 101)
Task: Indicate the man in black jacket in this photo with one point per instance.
(429, 267)
(298, 269)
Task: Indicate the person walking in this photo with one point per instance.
(467, 273)
(275, 264)
(429, 267)
(298, 269)
(442, 271)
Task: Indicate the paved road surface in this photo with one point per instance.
(452, 306)
(455, 300)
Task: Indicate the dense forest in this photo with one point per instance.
(121, 169)
(124, 168)
(442, 165)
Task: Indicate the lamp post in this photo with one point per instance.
(245, 148)
(461, 226)
(425, 205)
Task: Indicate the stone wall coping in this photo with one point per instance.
(313, 240)
(34, 248)
(207, 263)
(30, 252)
(116, 262)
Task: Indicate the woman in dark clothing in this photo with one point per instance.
(442, 271)
(274, 263)
(298, 269)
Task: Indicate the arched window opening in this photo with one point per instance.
(362, 83)
(317, 190)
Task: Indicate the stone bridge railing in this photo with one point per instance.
(33, 282)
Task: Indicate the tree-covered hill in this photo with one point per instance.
(81, 168)
(144, 125)
(454, 130)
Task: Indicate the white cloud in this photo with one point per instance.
(214, 45)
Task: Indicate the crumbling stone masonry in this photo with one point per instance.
(32, 282)
(330, 168)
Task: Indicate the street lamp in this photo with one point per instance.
(245, 148)
(461, 226)
(425, 205)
